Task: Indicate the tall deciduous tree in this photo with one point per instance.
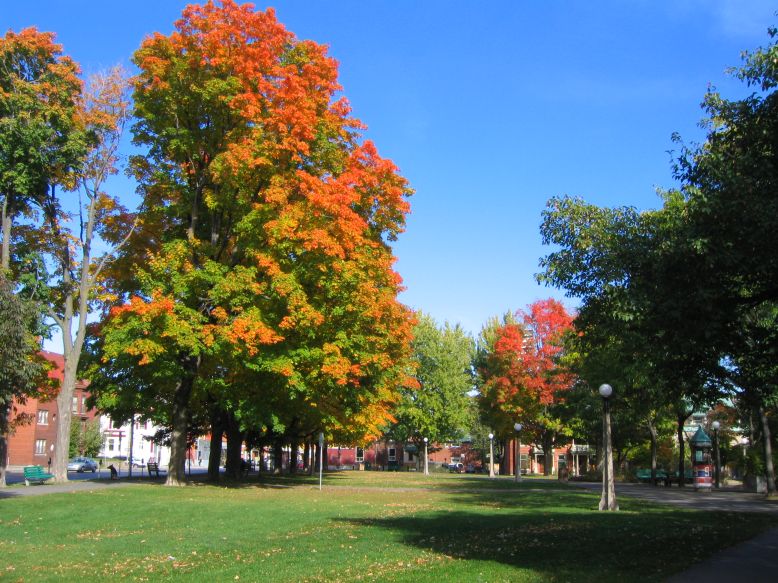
(729, 183)
(438, 408)
(639, 279)
(53, 134)
(264, 231)
(522, 376)
(76, 281)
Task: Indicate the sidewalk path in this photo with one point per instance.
(755, 561)
(725, 500)
(72, 486)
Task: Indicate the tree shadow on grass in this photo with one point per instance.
(562, 536)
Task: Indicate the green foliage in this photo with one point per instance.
(85, 439)
(41, 137)
(22, 371)
(439, 408)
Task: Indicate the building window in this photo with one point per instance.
(360, 454)
(43, 417)
(392, 454)
(562, 461)
(83, 404)
(40, 447)
(75, 405)
(110, 444)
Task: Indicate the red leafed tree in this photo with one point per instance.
(522, 376)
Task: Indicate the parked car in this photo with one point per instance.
(82, 464)
(456, 468)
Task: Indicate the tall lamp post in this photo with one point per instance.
(426, 459)
(608, 499)
(491, 455)
(716, 425)
(518, 427)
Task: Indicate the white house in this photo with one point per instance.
(118, 440)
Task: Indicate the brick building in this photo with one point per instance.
(32, 442)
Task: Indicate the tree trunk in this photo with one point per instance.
(768, 451)
(7, 221)
(307, 456)
(548, 454)
(608, 498)
(326, 457)
(278, 456)
(681, 450)
(5, 420)
(293, 455)
(234, 441)
(215, 455)
(652, 432)
(176, 475)
(59, 463)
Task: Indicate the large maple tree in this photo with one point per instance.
(263, 248)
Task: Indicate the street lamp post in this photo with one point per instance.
(518, 427)
(321, 457)
(426, 459)
(608, 499)
(491, 455)
(716, 425)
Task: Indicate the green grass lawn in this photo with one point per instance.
(368, 526)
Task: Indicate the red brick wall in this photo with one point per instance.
(21, 442)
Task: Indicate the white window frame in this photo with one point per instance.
(392, 454)
(359, 455)
(40, 447)
(43, 417)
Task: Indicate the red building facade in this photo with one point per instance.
(32, 440)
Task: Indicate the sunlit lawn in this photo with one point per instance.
(370, 526)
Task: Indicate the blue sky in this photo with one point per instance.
(488, 108)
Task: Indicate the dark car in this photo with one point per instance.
(82, 464)
(456, 468)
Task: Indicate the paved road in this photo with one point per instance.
(727, 500)
(755, 561)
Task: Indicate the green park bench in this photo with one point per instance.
(644, 476)
(153, 467)
(35, 474)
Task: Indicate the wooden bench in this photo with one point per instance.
(153, 467)
(35, 474)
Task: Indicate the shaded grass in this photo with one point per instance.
(260, 532)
